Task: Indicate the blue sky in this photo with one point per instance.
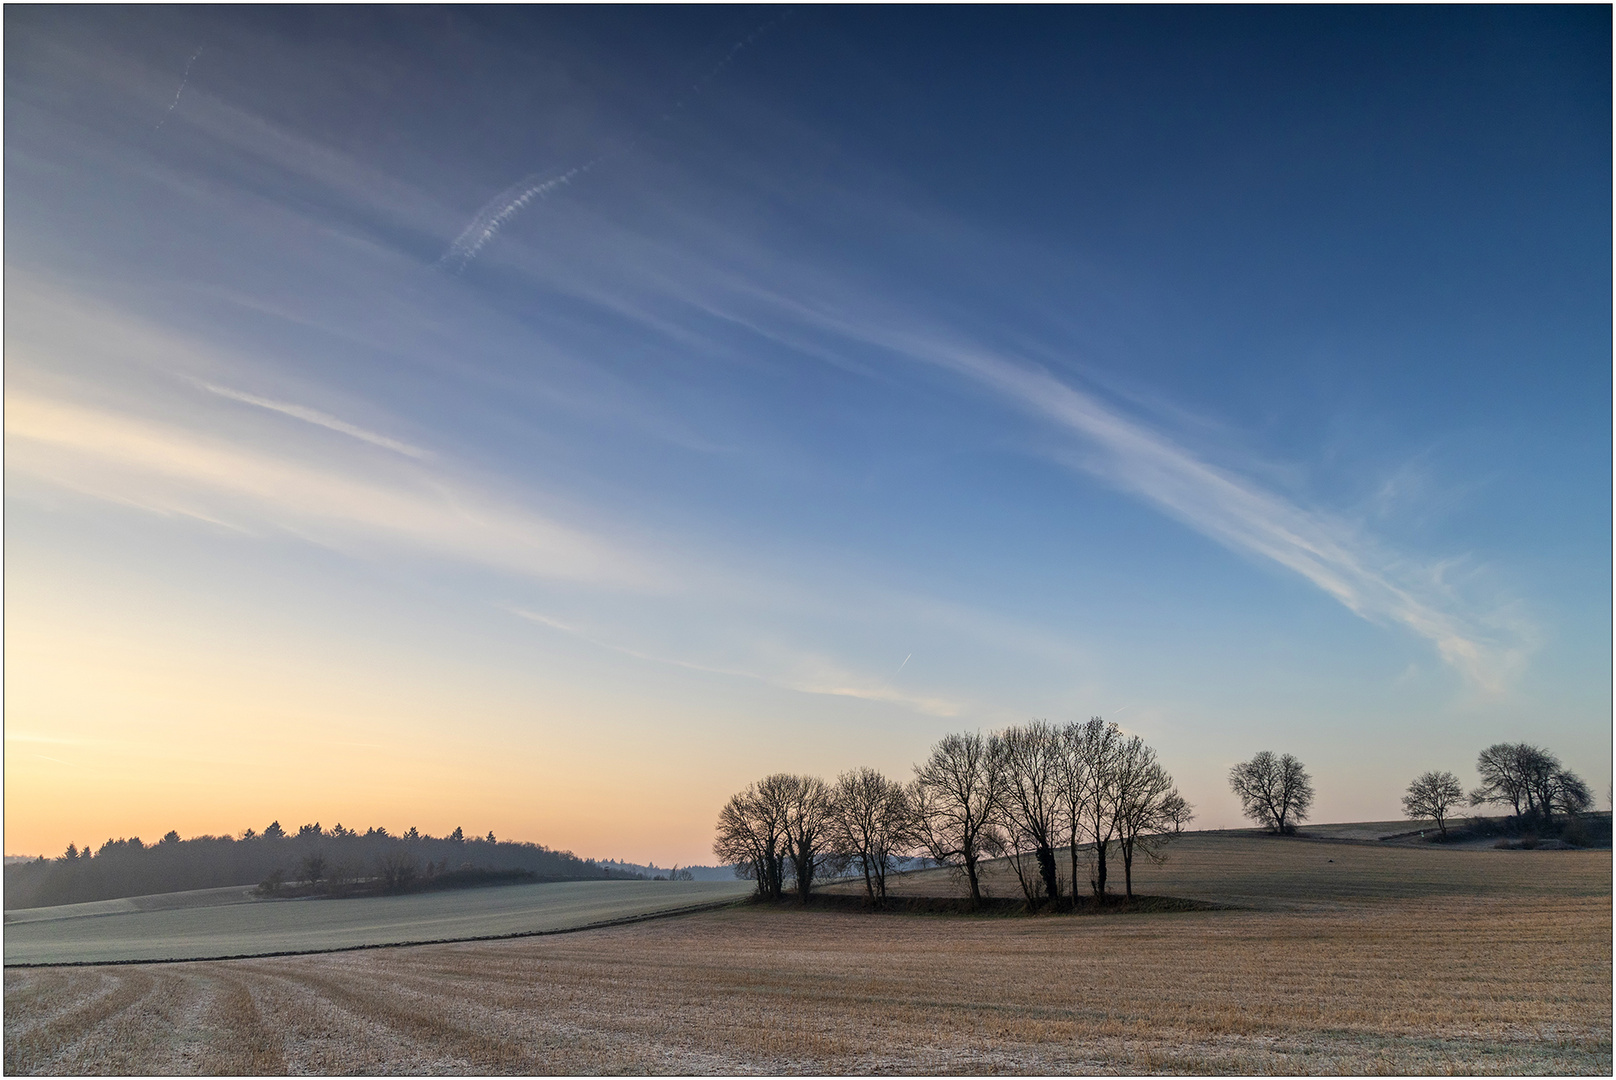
(551, 420)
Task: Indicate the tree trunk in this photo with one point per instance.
(1127, 867)
(869, 886)
(1099, 867)
(1027, 882)
(976, 888)
(1075, 878)
(1046, 866)
(805, 878)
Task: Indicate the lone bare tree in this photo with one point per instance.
(1432, 795)
(956, 795)
(870, 824)
(1274, 791)
(1147, 807)
(1031, 762)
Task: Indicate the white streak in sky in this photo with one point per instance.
(1487, 646)
(510, 202)
(500, 209)
(1233, 510)
(823, 680)
(724, 62)
(905, 662)
(181, 90)
(127, 459)
(314, 416)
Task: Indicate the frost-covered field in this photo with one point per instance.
(91, 933)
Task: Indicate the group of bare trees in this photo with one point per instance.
(1527, 779)
(1033, 792)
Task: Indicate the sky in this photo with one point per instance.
(548, 421)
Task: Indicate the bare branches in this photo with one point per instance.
(1432, 795)
(1275, 792)
(956, 794)
(1514, 774)
(871, 825)
(1148, 807)
(807, 818)
(1025, 791)
(751, 834)
(777, 825)
(1094, 746)
(1032, 762)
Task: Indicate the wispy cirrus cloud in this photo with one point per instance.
(321, 419)
(138, 461)
(788, 670)
(1487, 642)
(1334, 554)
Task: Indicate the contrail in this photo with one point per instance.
(510, 202)
(500, 209)
(905, 661)
(181, 90)
(724, 61)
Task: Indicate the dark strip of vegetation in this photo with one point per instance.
(996, 905)
(337, 860)
(431, 879)
(1587, 830)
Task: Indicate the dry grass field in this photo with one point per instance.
(1499, 966)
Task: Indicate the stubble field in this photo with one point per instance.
(1499, 962)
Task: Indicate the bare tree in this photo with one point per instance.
(955, 796)
(807, 821)
(870, 824)
(1274, 791)
(1432, 795)
(1093, 747)
(1030, 761)
(1569, 794)
(1072, 783)
(1531, 781)
(1508, 771)
(1147, 806)
(752, 834)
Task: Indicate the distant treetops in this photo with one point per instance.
(312, 854)
(1033, 792)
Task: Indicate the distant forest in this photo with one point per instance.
(131, 868)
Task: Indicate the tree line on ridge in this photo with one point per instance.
(335, 858)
